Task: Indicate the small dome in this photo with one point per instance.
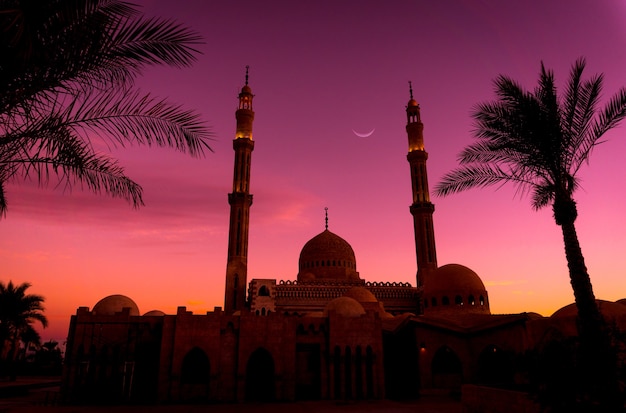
(246, 90)
(412, 102)
(453, 277)
(565, 319)
(609, 309)
(154, 313)
(345, 306)
(534, 316)
(361, 294)
(307, 276)
(327, 257)
(114, 304)
(455, 288)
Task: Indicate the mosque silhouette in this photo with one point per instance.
(326, 335)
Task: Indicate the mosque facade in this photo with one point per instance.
(328, 334)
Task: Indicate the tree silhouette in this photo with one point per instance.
(18, 311)
(538, 141)
(67, 70)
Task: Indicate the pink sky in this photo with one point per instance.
(319, 70)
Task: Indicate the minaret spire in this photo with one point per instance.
(421, 208)
(240, 201)
(326, 211)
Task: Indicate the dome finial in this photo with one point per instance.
(247, 67)
(326, 211)
(410, 89)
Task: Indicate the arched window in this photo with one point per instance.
(471, 300)
(260, 376)
(196, 368)
(481, 300)
(458, 300)
(264, 291)
(445, 300)
(433, 301)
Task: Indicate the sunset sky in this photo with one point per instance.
(320, 70)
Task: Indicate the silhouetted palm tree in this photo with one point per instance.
(18, 311)
(66, 88)
(538, 141)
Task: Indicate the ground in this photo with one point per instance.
(40, 397)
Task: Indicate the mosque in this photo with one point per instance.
(328, 334)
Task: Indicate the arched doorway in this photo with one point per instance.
(495, 366)
(308, 371)
(337, 373)
(447, 369)
(195, 374)
(260, 376)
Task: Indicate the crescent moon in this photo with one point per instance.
(363, 135)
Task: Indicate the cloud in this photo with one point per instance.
(523, 292)
(169, 203)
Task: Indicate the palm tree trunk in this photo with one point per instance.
(588, 313)
(597, 361)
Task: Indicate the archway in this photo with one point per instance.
(196, 368)
(495, 366)
(447, 369)
(308, 371)
(195, 374)
(337, 373)
(260, 376)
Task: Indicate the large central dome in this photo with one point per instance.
(327, 256)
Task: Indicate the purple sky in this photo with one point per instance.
(318, 71)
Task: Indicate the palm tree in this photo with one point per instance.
(18, 311)
(538, 141)
(66, 89)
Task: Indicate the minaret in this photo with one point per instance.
(421, 209)
(240, 201)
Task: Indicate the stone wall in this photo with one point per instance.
(479, 399)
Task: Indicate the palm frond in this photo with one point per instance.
(132, 117)
(3, 200)
(571, 114)
(477, 176)
(18, 309)
(57, 151)
(611, 115)
(154, 41)
(68, 69)
(536, 141)
(542, 196)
